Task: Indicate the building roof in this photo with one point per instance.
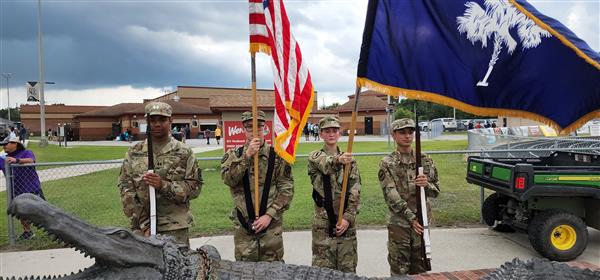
(328, 111)
(179, 108)
(369, 93)
(209, 92)
(365, 103)
(58, 108)
(265, 100)
(112, 111)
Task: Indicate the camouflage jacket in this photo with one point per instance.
(321, 163)
(233, 169)
(182, 182)
(396, 177)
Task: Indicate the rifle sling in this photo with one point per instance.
(327, 203)
(248, 195)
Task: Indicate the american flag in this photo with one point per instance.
(270, 33)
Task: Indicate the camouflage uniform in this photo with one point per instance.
(181, 178)
(268, 244)
(396, 177)
(328, 250)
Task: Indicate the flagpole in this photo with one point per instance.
(255, 134)
(347, 166)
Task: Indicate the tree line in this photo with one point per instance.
(428, 111)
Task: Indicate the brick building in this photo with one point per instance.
(372, 116)
(57, 114)
(198, 108)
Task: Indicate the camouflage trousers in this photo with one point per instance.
(337, 253)
(265, 246)
(404, 251)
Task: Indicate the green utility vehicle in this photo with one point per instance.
(554, 199)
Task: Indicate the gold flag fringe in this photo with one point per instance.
(440, 99)
(259, 47)
(291, 158)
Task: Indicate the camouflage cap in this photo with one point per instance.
(403, 123)
(247, 116)
(329, 121)
(158, 109)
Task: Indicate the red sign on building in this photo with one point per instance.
(234, 135)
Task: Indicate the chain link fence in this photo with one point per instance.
(503, 145)
(36, 178)
(89, 189)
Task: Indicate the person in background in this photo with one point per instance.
(218, 134)
(12, 133)
(24, 179)
(129, 135)
(186, 129)
(207, 136)
(305, 132)
(23, 134)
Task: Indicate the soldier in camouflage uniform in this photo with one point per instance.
(257, 238)
(176, 179)
(398, 181)
(333, 246)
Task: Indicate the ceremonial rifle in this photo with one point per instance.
(422, 202)
(151, 189)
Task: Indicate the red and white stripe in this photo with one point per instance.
(293, 87)
(259, 37)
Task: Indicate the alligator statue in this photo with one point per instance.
(119, 254)
(540, 269)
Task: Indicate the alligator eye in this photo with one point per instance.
(122, 235)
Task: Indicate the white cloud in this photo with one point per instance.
(582, 21)
(582, 17)
(330, 97)
(203, 43)
(98, 96)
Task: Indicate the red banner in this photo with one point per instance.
(234, 135)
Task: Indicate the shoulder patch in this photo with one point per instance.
(225, 157)
(315, 154)
(381, 175)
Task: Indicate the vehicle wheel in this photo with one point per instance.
(558, 235)
(492, 213)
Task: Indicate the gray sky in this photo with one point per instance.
(108, 52)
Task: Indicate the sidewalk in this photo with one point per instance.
(452, 250)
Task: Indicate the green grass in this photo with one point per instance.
(95, 197)
(54, 153)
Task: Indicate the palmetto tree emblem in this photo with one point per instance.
(494, 23)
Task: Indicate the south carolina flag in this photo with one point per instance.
(488, 57)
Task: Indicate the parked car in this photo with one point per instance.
(449, 124)
(424, 126)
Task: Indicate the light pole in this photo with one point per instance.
(43, 140)
(7, 76)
